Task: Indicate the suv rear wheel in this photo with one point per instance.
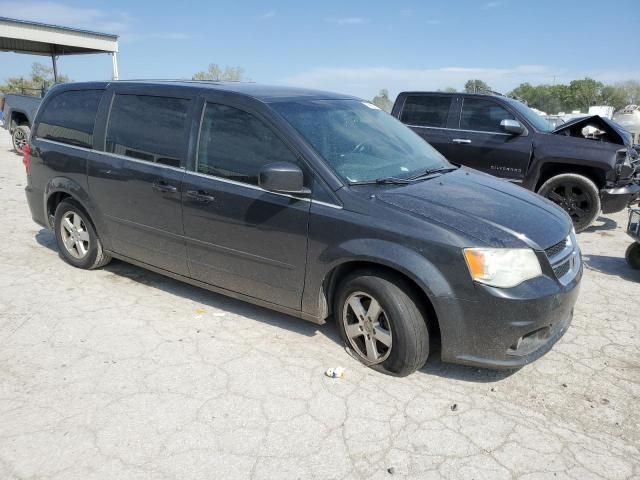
(77, 240)
(381, 322)
(20, 137)
(575, 194)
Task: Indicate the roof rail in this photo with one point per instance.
(183, 80)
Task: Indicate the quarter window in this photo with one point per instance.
(483, 115)
(426, 110)
(69, 117)
(148, 128)
(236, 145)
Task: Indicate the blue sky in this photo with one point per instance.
(355, 47)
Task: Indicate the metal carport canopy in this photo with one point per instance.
(35, 38)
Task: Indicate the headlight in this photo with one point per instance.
(502, 267)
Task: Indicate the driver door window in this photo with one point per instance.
(235, 145)
(483, 115)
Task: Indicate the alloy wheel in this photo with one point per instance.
(572, 199)
(367, 327)
(19, 139)
(75, 236)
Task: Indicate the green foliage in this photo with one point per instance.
(383, 101)
(585, 92)
(548, 98)
(630, 91)
(613, 96)
(448, 90)
(41, 79)
(214, 72)
(476, 86)
(578, 95)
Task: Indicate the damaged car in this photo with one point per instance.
(586, 166)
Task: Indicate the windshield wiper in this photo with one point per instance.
(404, 181)
(382, 181)
(433, 171)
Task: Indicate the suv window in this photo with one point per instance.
(483, 115)
(69, 117)
(148, 128)
(426, 110)
(235, 144)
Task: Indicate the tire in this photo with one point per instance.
(20, 137)
(575, 194)
(78, 242)
(633, 256)
(400, 322)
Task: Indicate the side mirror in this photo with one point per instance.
(282, 177)
(513, 127)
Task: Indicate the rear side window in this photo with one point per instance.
(148, 128)
(483, 115)
(235, 144)
(426, 110)
(69, 117)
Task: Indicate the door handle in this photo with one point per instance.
(461, 140)
(164, 187)
(200, 196)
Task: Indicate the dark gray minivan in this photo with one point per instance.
(310, 203)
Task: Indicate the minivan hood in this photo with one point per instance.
(493, 211)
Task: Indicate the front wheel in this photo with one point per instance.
(381, 322)
(20, 138)
(575, 194)
(633, 256)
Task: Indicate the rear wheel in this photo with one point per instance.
(20, 138)
(381, 322)
(77, 239)
(633, 256)
(575, 194)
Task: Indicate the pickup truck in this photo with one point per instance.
(19, 111)
(587, 166)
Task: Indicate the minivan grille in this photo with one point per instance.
(556, 249)
(564, 258)
(562, 269)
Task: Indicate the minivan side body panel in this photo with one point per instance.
(59, 168)
(141, 201)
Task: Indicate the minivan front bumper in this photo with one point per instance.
(504, 329)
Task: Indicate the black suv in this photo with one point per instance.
(586, 166)
(308, 203)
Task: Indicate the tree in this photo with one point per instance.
(630, 91)
(214, 72)
(585, 92)
(383, 101)
(448, 90)
(476, 86)
(579, 94)
(548, 98)
(614, 96)
(41, 79)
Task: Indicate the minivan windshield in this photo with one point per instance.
(540, 123)
(359, 141)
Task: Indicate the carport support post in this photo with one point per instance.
(114, 61)
(55, 64)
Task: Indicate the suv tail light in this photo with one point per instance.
(26, 160)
